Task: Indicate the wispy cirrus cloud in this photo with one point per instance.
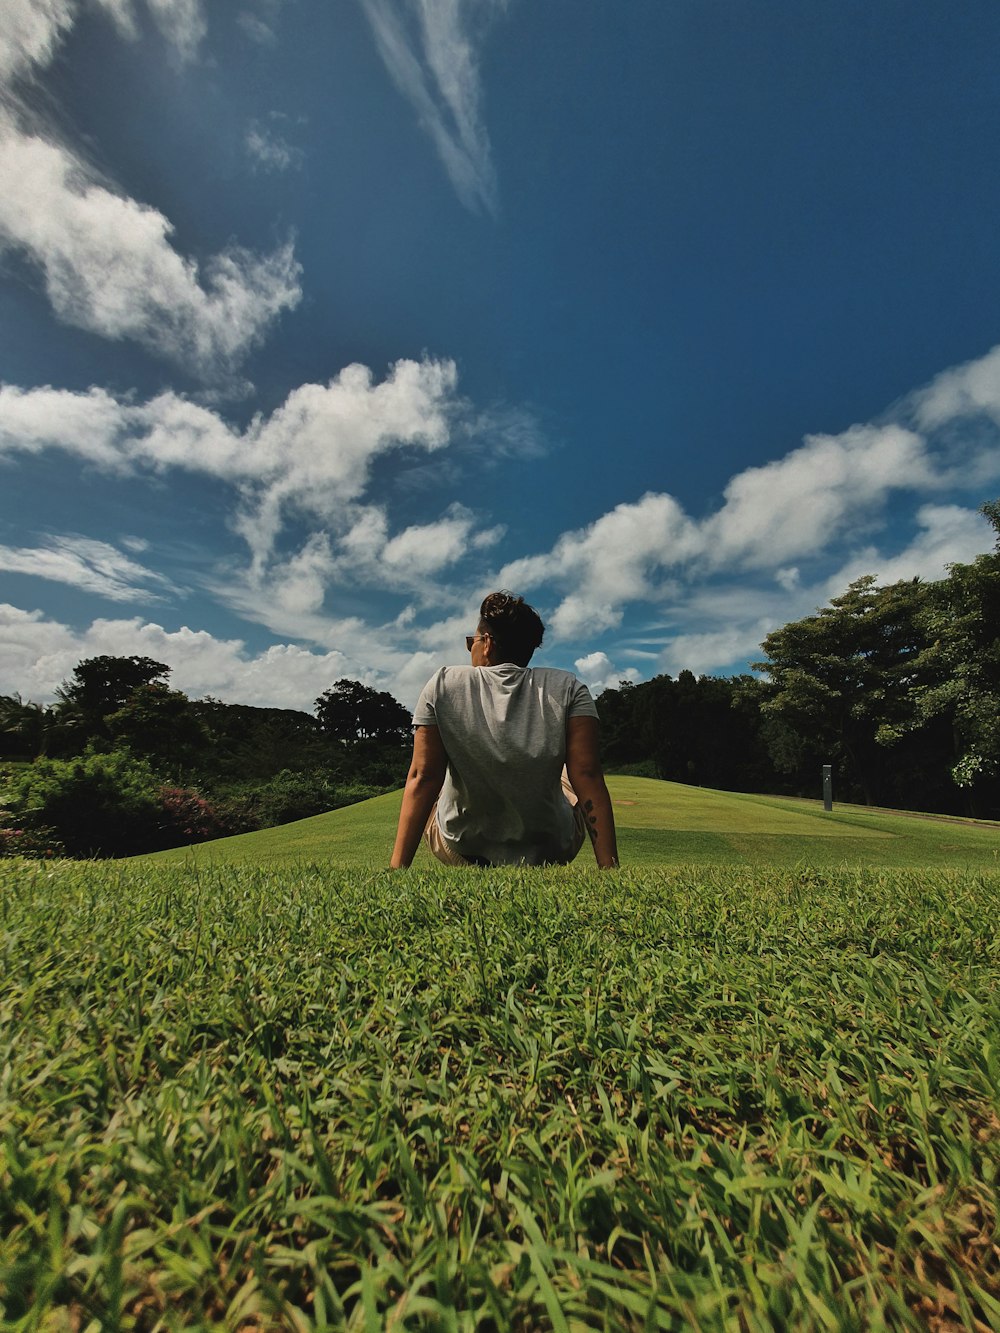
(427, 48)
(91, 566)
(269, 149)
(106, 261)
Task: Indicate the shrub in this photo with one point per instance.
(243, 807)
(38, 843)
(187, 817)
(97, 805)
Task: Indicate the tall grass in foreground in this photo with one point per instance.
(238, 1098)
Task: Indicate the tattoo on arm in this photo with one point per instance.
(591, 820)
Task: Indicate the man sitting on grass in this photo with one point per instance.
(505, 767)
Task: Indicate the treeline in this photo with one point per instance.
(122, 763)
(897, 686)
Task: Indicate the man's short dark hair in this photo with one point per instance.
(515, 627)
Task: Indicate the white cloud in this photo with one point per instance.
(91, 566)
(968, 390)
(32, 30)
(299, 584)
(108, 265)
(106, 261)
(428, 547)
(714, 651)
(182, 23)
(599, 673)
(313, 454)
(30, 33)
(609, 563)
(789, 508)
(788, 578)
(37, 654)
(948, 534)
(726, 623)
(442, 83)
(259, 26)
(271, 150)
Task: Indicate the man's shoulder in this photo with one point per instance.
(454, 675)
(556, 677)
(449, 680)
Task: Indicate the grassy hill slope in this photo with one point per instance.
(659, 824)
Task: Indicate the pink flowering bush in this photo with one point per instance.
(37, 843)
(187, 817)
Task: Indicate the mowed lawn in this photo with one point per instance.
(659, 824)
(272, 1096)
(749, 1081)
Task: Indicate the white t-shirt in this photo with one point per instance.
(504, 731)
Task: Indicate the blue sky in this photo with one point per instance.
(319, 321)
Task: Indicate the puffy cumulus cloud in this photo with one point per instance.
(90, 425)
(599, 673)
(716, 650)
(299, 583)
(428, 547)
(611, 562)
(106, 261)
(92, 566)
(436, 68)
(725, 623)
(946, 534)
(313, 453)
(972, 389)
(788, 577)
(789, 508)
(37, 654)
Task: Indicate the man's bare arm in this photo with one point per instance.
(423, 784)
(586, 776)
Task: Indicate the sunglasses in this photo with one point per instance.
(470, 639)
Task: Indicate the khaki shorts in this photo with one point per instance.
(444, 852)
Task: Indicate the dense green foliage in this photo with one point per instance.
(190, 770)
(99, 804)
(352, 711)
(533, 1100)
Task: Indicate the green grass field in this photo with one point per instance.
(269, 1085)
(659, 824)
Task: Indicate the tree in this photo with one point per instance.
(101, 686)
(705, 730)
(159, 724)
(958, 683)
(23, 726)
(351, 712)
(840, 679)
(245, 742)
